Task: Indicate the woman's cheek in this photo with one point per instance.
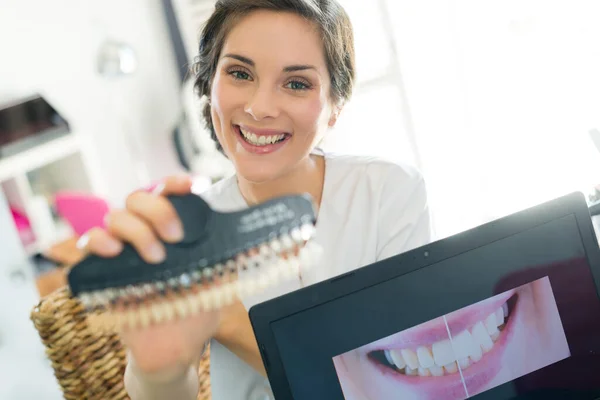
(310, 116)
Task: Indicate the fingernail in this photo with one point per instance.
(158, 189)
(174, 231)
(156, 253)
(82, 242)
(114, 246)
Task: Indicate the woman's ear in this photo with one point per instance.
(335, 115)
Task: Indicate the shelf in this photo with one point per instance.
(38, 156)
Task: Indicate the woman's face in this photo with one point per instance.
(270, 97)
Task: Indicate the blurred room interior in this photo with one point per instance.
(497, 103)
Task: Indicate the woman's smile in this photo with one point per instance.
(260, 141)
(463, 353)
(436, 356)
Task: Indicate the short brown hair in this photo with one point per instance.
(328, 15)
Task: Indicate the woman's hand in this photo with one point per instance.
(169, 346)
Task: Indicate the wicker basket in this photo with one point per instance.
(87, 364)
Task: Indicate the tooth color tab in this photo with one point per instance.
(442, 352)
(425, 357)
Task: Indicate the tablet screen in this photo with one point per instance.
(516, 318)
(462, 353)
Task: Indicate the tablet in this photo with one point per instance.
(507, 310)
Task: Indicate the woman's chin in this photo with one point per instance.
(258, 172)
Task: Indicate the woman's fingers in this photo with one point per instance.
(159, 213)
(132, 229)
(148, 217)
(99, 242)
(157, 210)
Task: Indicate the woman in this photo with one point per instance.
(276, 74)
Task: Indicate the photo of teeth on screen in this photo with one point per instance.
(461, 354)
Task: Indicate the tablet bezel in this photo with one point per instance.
(263, 314)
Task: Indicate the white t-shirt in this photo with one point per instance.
(370, 209)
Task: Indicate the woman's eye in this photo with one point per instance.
(240, 75)
(298, 85)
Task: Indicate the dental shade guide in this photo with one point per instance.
(222, 256)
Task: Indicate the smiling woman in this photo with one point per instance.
(276, 75)
(281, 106)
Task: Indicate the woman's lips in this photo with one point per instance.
(258, 139)
(476, 367)
(435, 330)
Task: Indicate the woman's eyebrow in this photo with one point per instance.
(243, 59)
(293, 68)
(289, 68)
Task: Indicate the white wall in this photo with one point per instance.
(502, 95)
(50, 47)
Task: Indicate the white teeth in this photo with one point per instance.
(499, 317)
(397, 359)
(491, 325)
(482, 337)
(410, 358)
(436, 371)
(464, 363)
(442, 352)
(476, 353)
(424, 356)
(446, 356)
(463, 344)
(451, 368)
(260, 140)
(389, 358)
(505, 309)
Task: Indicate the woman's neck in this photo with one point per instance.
(307, 177)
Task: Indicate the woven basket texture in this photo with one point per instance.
(88, 364)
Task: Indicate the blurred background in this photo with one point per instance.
(498, 104)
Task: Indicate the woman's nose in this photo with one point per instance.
(263, 104)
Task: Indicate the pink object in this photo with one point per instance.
(81, 210)
(23, 226)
